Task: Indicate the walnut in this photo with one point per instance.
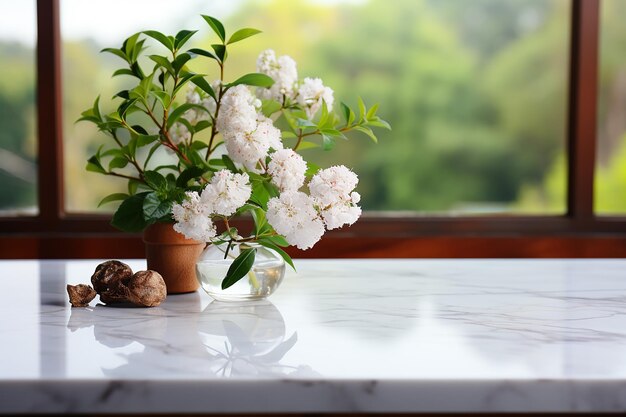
(146, 288)
(110, 279)
(115, 283)
(80, 295)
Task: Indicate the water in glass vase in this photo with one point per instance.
(265, 276)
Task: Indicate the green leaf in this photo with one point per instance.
(163, 98)
(136, 70)
(125, 106)
(189, 174)
(362, 109)
(367, 131)
(229, 163)
(217, 162)
(113, 197)
(304, 145)
(270, 107)
(181, 83)
(132, 186)
(151, 152)
(325, 120)
(305, 123)
(260, 221)
(272, 190)
(139, 129)
(239, 268)
(165, 40)
(129, 215)
(154, 208)
(113, 152)
(378, 122)
(254, 79)
(242, 34)
(94, 165)
(118, 162)
(201, 125)
(199, 145)
(311, 169)
(180, 61)
(143, 140)
(220, 51)
(259, 195)
(182, 37)
(163, 62)
(216, 25)
(204, 85)
(202, 52)
(145, 86)
(333, 133)
(372, 112)
(178, 112)
(123, 71)
(348, 114)
(277, 240)
(328, 142)
(155, 180)
(137, 50)
(282, 253)
(96, 108)
(116, 52)
(122, 94)
(129, 44)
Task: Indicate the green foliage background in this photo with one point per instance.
(475, 92)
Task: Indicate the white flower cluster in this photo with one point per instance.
(301, 218)
(282, 70)
(287, 169)
(332, 191)
(249, 138)
(293, 215)
(193, 219)
(309, 94)
(223, 195)
(248, 135)
(226, 192)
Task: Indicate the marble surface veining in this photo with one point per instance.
(339, 335)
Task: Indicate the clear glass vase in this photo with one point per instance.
(265, 276)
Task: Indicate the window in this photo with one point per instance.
(564, 223)
(481, 135)
(18, 145)
(610, 190)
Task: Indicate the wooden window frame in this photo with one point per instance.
(578, 233)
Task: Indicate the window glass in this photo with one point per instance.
(18, 145)
(475, 90)
(610, 181)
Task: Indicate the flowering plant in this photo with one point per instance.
(224, 152)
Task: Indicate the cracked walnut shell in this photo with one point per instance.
(80, 295)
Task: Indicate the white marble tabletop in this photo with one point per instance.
(340, 335)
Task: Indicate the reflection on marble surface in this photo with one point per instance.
(247, 339)
(341, 335)
(244, 339)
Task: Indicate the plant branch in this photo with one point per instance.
(128, 177)
(220, 94)
(300, 136)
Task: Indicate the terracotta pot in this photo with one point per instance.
(173, 256)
